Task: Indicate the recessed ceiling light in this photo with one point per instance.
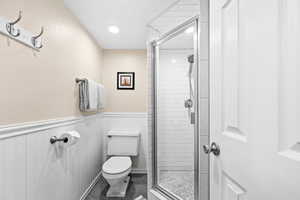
(189, 30)
(173, 61)
(114, 29)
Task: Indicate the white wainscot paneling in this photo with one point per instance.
(129, 121)
(13, 168)
(33, 169)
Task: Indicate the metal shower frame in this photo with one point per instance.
(154, 65)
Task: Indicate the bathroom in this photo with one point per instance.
(149, 99)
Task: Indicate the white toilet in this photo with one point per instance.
(120, 146)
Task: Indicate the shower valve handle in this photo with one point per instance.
(188, 103)
(214, 148)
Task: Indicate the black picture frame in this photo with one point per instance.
(125, 80)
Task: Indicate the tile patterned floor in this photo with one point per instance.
(137, 187)
(180, 183)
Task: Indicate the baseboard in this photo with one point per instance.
(139, 171)
(91, 186)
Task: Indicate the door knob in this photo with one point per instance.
(213, 148)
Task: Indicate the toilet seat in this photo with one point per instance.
(117, 165)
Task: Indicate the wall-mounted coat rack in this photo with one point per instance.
(17, 33)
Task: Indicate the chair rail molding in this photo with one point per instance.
(126, 114)
(14, 130)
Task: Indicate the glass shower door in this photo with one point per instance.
(176, 112)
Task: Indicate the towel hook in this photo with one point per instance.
(34, 39)
(78, 80)
(11, 28)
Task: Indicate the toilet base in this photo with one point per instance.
(118, 190)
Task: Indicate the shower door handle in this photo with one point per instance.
(213, 148)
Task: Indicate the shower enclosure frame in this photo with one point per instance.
(154, 66)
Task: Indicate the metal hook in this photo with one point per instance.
(34, 39)
(78, 80)
(10, 26)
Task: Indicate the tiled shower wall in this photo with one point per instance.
(175, 149)
(176, 134)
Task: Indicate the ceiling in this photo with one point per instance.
(131, 16)
(182, 41)
(178, 13)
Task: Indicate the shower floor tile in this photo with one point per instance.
(137, 186)
(180, 183)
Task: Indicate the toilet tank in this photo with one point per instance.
(123, 143)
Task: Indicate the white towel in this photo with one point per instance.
(101, 96)
(93, 95)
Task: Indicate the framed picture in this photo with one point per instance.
(125, 81)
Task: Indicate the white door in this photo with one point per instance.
(255, 99)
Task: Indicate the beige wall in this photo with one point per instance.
(125, 61)
(39, 86)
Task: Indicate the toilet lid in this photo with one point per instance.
(116, 165)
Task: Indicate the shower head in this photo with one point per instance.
(191, 59)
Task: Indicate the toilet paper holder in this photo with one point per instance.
(54, 139)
